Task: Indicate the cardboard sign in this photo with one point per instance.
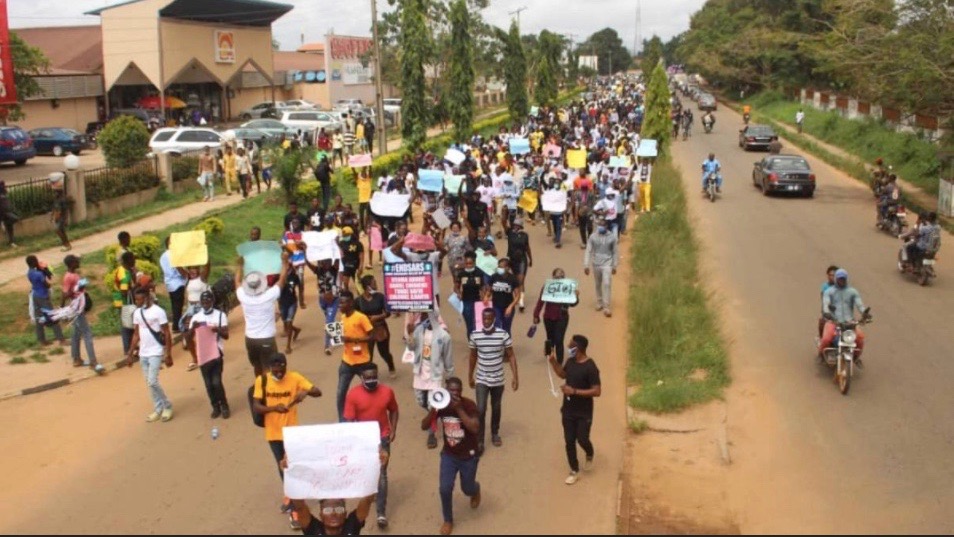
(359, 161)
(332, 461)
(453, 183)
(559, 291)
(206, 345)
(554, 201)
(576, 158)
(486, 262)
(647, 148)
(390, 205)
(528, 201)
(430, 180)
(418, 242)
(534, 110)
(552, 150)
(455, 157)
(261, 256)
(335, 333)
(440, 218)
(519, 146)
(409, 286)
(188, 249)
(620, 162)
(321, 245)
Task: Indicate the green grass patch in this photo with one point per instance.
(913, 156)
(673, 334)
(39, 358)
(17, 360)
(56, 351)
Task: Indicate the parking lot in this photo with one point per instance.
(43, 166)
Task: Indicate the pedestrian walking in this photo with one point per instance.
(506, 294)
(373, 401)
(74, 293)
(288, 302)
(369, 130)
(602, 256)
(556, 316)
(258, 307)
(433, 362)
(40, 279)
(581, 387)
(175, 281)
(348, 140)
(374, 306)
(124, 284)
(207, 174)
(799, 119)
(644, 177)
(519, 254)
(357, 337)
(490, 348)
(153, 339)
(8, 217)
(469, 286)
(59, 216)
(217, 323)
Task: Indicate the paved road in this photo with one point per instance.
(85, 453)
(807, 459)
(41, 166)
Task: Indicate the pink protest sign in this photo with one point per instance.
(206, 344)
(416, 241)
(409, 286)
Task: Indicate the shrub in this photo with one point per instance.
(110, 253)
(146, 247)
(124, 140)
(146, 267)
(212, 226)
(185, 168)
(287, 169)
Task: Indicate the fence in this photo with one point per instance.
(32, 198)
(185, 165)
(852, 108)
(108, 183)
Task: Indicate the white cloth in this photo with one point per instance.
(259, 312)
(155, 318)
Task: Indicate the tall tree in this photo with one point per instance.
(608, 47)
(28, 62)
(461, 96)
(549, 50)
(415, 50)
(652, 53)
(656, 121)
(546, 90)
(515, 71)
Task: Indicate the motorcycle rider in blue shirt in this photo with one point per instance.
(711, 165)
(846, 300)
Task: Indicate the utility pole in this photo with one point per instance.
(517, 13)
(378, 91)
(636, 36)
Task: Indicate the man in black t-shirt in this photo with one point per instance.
(505, 294)
(469, 286)
(477, 214)
(352, 255)
(582, 385)
(293, 214)
(288, 307)
(459, 425)
(374, 306)
(518, 250)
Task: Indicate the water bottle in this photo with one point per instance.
(215, 433)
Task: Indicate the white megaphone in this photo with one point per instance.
(439, 399)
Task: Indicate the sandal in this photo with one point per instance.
(192, 367)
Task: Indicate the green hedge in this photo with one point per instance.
(108, 183)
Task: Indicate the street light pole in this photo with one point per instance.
(378, 91)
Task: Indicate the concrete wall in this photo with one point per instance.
(185, 41)
(130, 35)
(856, 109)
(71, 113)
(40, 225)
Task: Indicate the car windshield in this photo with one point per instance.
(760, 131)
(163, 136)
(793, 163)
(70, 132)
(265, 124)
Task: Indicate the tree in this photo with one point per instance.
(415, 50)
(515, 72)
(652, 53)
(608, 47)
(549, 51)
(461, 96)
(657, 124)
(28, 62)
(125, 141)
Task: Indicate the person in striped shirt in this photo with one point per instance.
(490, 347)
(348, 140)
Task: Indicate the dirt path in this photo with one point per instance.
(85, 451)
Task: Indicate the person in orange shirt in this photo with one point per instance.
(357, 335)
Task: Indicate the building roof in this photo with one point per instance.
(237, 12)
(317, 46)
(70, 49)
(298, 61)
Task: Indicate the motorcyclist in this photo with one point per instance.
(746, 113)
(927, 238)
(879, 175)
(890, 195)
(841, 301)
(829, 283)
(708, 119)
(711, 165)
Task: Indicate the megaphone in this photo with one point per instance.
(439, 399)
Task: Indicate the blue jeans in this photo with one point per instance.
(718, 180)
(469, 320)
(450, 467)
(557, 220)
(503, 321)
(331, 311)
(150, 370)
(346, 374)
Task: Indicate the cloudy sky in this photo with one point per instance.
(317, 17)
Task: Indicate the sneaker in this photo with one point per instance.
(382, 521)
(588, 464)
(571, 479)
(167, 414)
(192, 367)
(293, 521)
(155, 416)
(607, 313)
(99, 369)
(226, 413)
(496, 441)
(286, 505)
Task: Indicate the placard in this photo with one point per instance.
(534, 111)
(455, 157)
(390, 205)
(620, 162)
(529, 200)
(486, 262)
(441, 219)
(359, 161)
(519, 146)
(576, 158)
(419, 242)
(261, 256)
(453, 183)
(340, 460)
(409, 286)
(188, 249)
(552, 150)
(335, 333)
(206, 344)
(554, 201)
(320, 245)
(559, 291)
(430, 180)
(647, 148)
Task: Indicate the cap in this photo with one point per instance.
(841, 273)
(347, 230)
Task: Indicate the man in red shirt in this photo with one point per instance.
(375, 402)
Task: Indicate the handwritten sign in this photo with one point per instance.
(554, 201)
(261, 256)
(188, 249)
(430, 180)
(321, 245)
(576, 158)
(528, 201)
(552, 150)
(409, 286)
(335, 333)
(419, 242)
(519, 146)
(390, 205)
(332, 461)
(647, 148)
(559, 291)
(486, 262)
(441, 219)
(455, 157)
(359, 161)
(619, 162)
(453, 183)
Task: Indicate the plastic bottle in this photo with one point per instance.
(215, 433)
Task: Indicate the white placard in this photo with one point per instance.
(321, 245)
(455, 156)
(390, 205)
(441, 219)
(332, 461)
(554, 201)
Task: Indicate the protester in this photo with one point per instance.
(74, 292)
(217, 323)
(175, 281)
(8, 217)
(153, 339)
(519, 253)
(582, 385)
(328, 292)
(506, 293)
(124, 284)
(58, 216)
(602, 254)
(357, 335)
(258, 307)
(288, 302)
(433, 362)
(374, 306)
(197, 284)
(556, 316)
(469, 286)
(490, 347)
(207, 175)
(39, 276)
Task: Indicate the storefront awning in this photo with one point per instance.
(234, 12)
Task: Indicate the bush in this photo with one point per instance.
(146, 267)
(125, 140)
(108, 183)
(110, 253)
(212, 226)
(146, 247)
(185, 168)
(287, 170)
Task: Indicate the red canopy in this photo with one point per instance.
(152, 102)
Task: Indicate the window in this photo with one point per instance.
(163, 136)
(299, 117)
(188, 136)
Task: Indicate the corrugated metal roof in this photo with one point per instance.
(78, 49)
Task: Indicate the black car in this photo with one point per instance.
(756, 136)
(784, 173)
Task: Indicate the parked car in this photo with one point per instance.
(264, 109)
(784, 173)
(184, 139)
(756, 136)
(301, 104)
(310, 120)
(139, 113)
(392, 105)
(58, 141)
(15, 145)
(707, 102)
(255, 135)
(276, 129)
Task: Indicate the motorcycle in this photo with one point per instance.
(712, 186)
(841, 355)
(921, 268)
(893, 220)
(878, 180)
(707, 125)
(745, 117)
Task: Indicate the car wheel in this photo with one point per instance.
(57, 151)
(810, 193)
(20, 162)
(246, 117)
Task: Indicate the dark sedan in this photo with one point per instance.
(784, 173)
(58, 141)
(756, 136)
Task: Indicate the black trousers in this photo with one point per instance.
(212, 375)
(178, 300)
(384, 347)
(586, 227)
(556, 332)
(576, 430)
(495, 394)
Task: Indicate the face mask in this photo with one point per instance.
(488, 329)
(277, 378)
(601, 229)
(573, 351)
(371, 385)
(469, 269)
(455, 233)
(346, 238)
(501, 271)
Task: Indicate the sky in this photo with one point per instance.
(315, 18)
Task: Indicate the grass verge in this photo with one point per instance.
(676, 354)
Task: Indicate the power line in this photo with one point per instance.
(517, 13)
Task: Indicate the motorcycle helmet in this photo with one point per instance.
(841, 274)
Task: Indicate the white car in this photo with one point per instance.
(392, 105)
(301, 104)
(183, 140)
(267, 107)
(310, 120)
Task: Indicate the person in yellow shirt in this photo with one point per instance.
(276, 396)
(229, 169)
(357, 330)
(363, 180)
(359, 137)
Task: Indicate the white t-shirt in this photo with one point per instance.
(609, 206)
(259, 312)
(155, 318)
(215, 318)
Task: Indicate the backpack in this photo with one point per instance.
(257, 419)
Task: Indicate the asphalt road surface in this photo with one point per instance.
(806, 458)
(41, 166)
(81, 459)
